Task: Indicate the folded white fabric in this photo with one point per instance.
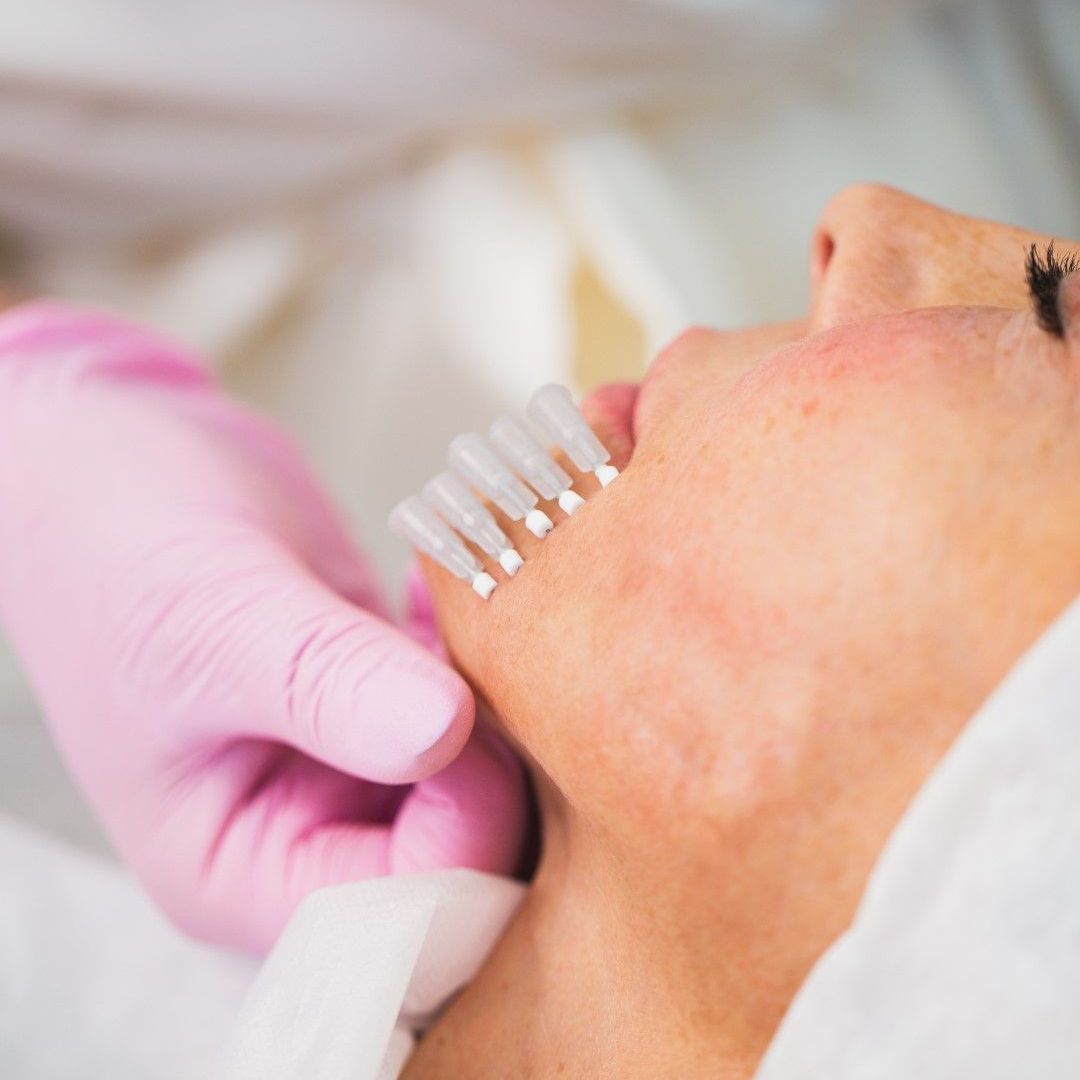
(95, 982)
(964, 957)
(358, 968)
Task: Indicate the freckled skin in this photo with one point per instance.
(731, 671)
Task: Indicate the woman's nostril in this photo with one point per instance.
(822, 249)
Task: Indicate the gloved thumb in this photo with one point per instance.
(338, 683)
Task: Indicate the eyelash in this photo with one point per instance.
(1045, 274)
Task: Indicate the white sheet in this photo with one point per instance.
(964, 958)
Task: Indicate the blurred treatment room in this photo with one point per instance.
(540, 539)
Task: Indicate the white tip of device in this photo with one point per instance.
(538, 523)
(570, 501)
(511, 561)
(605, 474)
(483, 584)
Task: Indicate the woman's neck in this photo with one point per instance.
(602, 974)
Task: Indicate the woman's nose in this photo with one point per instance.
(876, 251)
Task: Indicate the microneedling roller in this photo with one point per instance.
(451, 497)
(413, 520)
(474, 460)
(552, 409)
(517, 446)
(496, 467)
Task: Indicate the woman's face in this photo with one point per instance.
(829, 542)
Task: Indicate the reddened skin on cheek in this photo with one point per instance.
(670, 633)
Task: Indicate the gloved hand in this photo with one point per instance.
(210, 651)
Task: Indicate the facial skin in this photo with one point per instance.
(732, 670)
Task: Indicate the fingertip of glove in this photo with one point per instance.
(427, 715)
(440, 713)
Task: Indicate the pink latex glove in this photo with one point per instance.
(210, 651)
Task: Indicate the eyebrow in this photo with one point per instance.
(1045, 273)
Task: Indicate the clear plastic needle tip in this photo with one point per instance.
(452, 498)
(552, 409)
(413, 520)
(473, 458)
(516, 444)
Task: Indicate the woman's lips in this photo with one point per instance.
(610, 411)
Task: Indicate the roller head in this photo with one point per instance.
(483, 584)
(511, 561)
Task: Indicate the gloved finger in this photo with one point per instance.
(305, 827)
(362, 696)
(280, 655)
(297, 508)
(474, 813)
